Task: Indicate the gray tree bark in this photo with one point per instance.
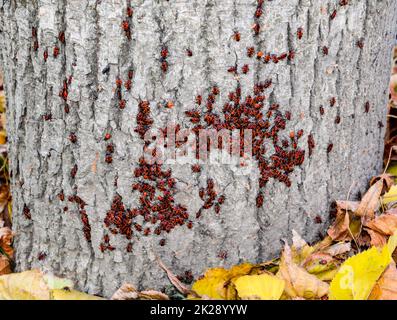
(344, 56)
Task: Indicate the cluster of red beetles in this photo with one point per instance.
(126, 24)
(248, 112)
(209, 196)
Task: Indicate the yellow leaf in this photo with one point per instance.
(319, 262)
(298, 282)
(259, 287)
(216, 282)
(67, 294)
(212, 285)
(28, 285)
(3, 137)
(327, 275)
(2, 102)
(358, 274)
(240, 270)
(36, 285)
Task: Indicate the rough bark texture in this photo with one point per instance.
(42, 154)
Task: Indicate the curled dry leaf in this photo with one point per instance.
(388, 181)
(346, 225)
(175, 281)
(385, 224)
(380, 228)
(153, 295)
(6, 237)
(377, 239)
(338, 248)
(339, 231)
(298, 282)
(343, 205)
(4, 196)
(386, 287)
(129, 292)
(371, 200)
(125, 292)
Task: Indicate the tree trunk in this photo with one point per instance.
(61, 62)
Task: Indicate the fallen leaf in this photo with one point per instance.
(384, 224)
(377, 239)
(153, 295)
(370, 202)
(339, 231)
(338, 248)
(3, 137)
(6, 237)
(346, 225)
(259, 287)
(67, 294)
(343, 205)
(298, 282)
(212, 284)
(319, 263)
(386, 287)
(125, 292)
(388, 181)
(129, 292)
(4, 196)
(175, 281)
(358, 274)
(5, 267)
(28, 285)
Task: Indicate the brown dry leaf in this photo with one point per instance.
(386, 287)
(4, 196)
(129, 292)
(377, 239)
(343, 205)
(339, 231)
(174, 280)
(6, 241)
(346, 224)
(298, 282)
(388, 181)
(338, 248)
(371, 200)
(385, 224)
(5, 267)
(153, 295)
(125, 292)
